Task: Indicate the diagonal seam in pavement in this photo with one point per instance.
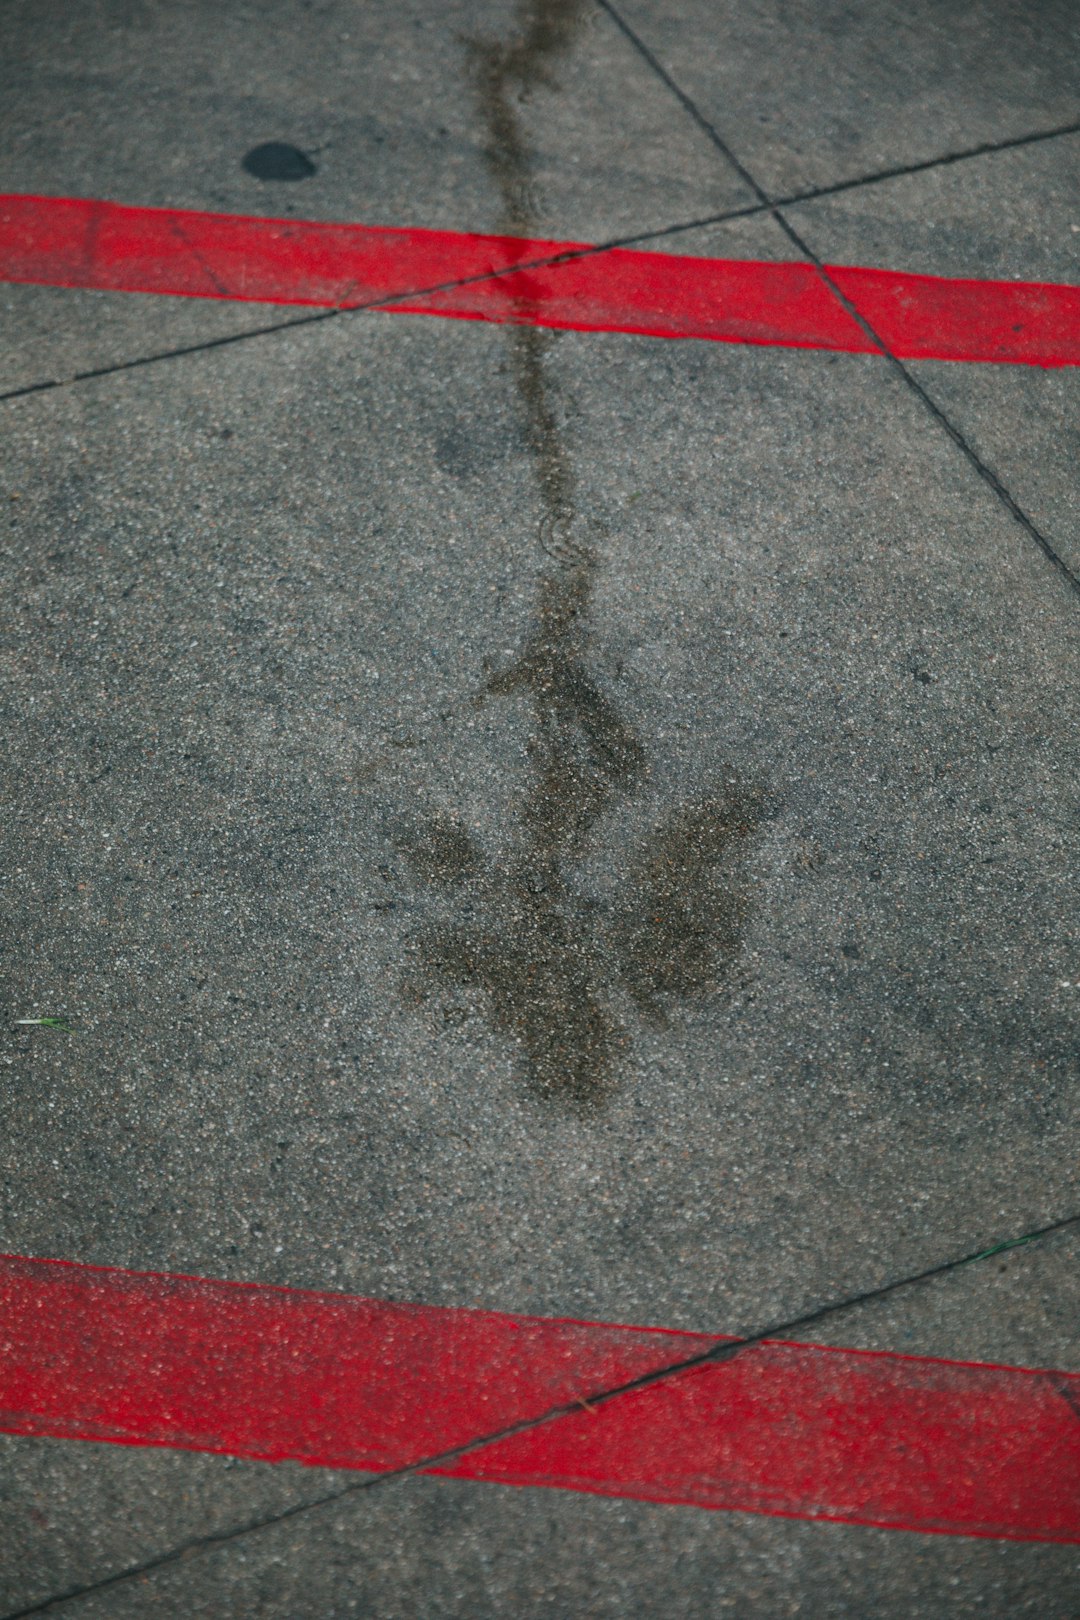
(774, 207)
(764, 206)
(726, 1351)
(730, 1349)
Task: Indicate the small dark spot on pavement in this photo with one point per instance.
(276, 160)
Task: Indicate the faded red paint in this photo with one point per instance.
(804, 1430)
(72, 242)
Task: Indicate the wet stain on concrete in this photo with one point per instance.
(688, 902)
(552, 962)
(438, 851)
(505, 72)
(502, 74)
(275, 160)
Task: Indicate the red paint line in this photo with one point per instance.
(801, 1430)
(72, 242)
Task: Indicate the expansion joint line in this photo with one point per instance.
(764, 205)
(725, 1351)
(775, 209)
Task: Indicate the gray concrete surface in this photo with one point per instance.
(249, 685)
(397, 106)
(439, 1546)
(443, 1547)
(1012, 215)
(359, 929)
(72, 1513)
(401, 108)
(816, 93)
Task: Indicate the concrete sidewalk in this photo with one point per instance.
(560, 822)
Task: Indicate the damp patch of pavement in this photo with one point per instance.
(277, 160)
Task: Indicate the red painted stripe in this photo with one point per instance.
(1029, 323)
(71, 242)
(795, 1429)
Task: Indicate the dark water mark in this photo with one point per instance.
(687, 902)
(439, 852)
(505, 73)
(551, 961)
(275, 160)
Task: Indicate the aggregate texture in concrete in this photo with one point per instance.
(563, 822)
